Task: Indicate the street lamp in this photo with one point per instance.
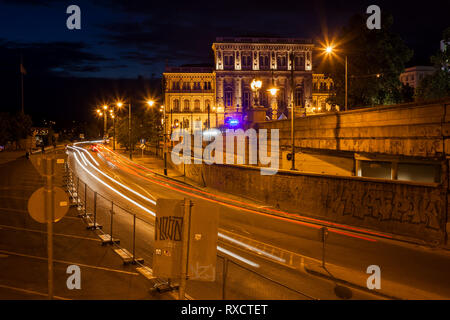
(273, 92)
(329, 50)
(256, 85)
(105, 108)
(163, 110)
(120, 104)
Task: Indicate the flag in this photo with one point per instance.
(22, 69)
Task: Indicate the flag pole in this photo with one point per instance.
(21, 79)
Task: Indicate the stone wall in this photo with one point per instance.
(413, 129)
(407, 209)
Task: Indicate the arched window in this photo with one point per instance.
(197, 105)
(298, 97)
(186, 105)
(176, 105)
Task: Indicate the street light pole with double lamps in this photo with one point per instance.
(329, 50)
(105, 107)
(120, 104)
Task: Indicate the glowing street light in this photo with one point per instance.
(150, 102)
(330, 50)
(256, 85)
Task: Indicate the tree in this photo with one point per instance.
(375, 60)
(437, 85)
(14, 128)
(5, 128)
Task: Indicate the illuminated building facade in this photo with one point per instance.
(323, 88)
(189, 94)
(240, 60)
(283, 64)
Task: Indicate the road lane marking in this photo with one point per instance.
(68, 262)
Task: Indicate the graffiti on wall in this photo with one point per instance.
(401, 204)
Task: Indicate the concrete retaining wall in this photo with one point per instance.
(406, 209)
(408, 130)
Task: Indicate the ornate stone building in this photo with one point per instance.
(322, 89)
(279, 63)
(189, 94)
(240, 60)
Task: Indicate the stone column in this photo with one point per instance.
(219, 92)
(238, 92)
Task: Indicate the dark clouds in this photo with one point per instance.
(124, 35)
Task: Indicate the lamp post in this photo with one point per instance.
(120, 104)
(329, 50)
(291, 56)
(273, 91)
(105, 107)
(256, 85)
(164, 139)
(208, 116)
(129, 130)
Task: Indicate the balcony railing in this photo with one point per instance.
(190, 91)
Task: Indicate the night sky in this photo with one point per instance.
(128, 39)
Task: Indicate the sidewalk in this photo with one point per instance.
(7, 156)
(23, 248)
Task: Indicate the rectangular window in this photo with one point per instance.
(228, 99)
(375, 169)
(229, 61)
(246, 100)
(281, 62)
(299, 61)
(263, 61)
(418, 172)
(246, 61)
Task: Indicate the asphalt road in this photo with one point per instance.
(23, 247)
(283, 256)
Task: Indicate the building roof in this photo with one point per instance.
(419, 68)
(189, 69)
(263, 40)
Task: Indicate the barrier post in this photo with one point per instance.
(112, 212)
(95, 210)
(134, 238)
(224, 276)
(324, 234)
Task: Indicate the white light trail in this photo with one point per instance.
(242, 244)
(89, 154)
(120, 184)
(223, 250)
(111, 188)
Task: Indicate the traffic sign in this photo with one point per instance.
(36, 205)
(40, 163)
